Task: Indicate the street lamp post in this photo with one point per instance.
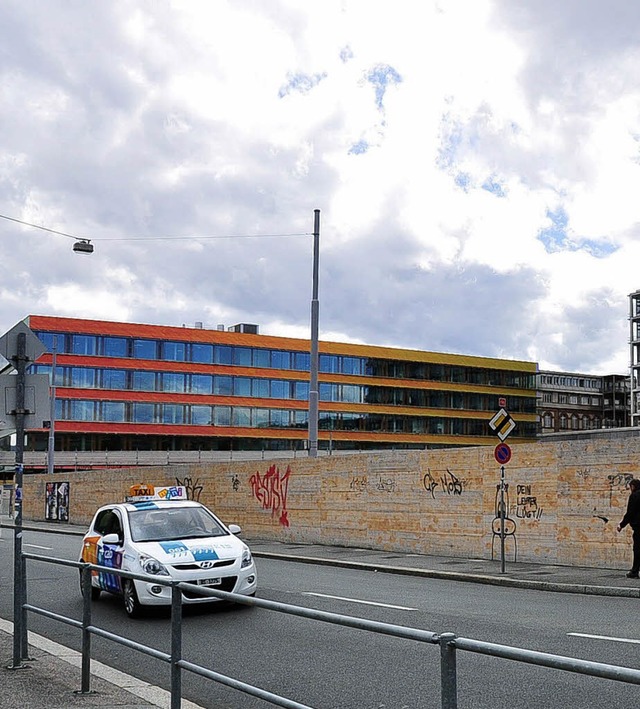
(313, 365)
(52, 410)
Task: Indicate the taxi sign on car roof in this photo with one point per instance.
(144, 493)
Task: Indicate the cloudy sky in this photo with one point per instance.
(476, 164)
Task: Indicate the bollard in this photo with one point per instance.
(448, 675)
(85, 686)
(176, 646)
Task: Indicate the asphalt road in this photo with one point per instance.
(328, 666)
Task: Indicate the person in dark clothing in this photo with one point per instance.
(632, 518)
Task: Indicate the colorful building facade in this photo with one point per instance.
(124, 386)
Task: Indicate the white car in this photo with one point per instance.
(161, 533)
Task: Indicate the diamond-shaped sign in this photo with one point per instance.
(502, 424)
(9, 343)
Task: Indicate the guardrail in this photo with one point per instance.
(84, 459)
(449, 643)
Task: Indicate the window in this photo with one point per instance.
(280, 360)
(242, 356)
(84, 345)
(143, 413)
(261, 418)
(51, 341)
(279, 389)
(174, 351)
(145, 349)
(144, 381)
(83, 378)
(241, 416)
(202, 353)
(114, 379)
(112, 411)
(279, 418)
(329, 363)
(261, 358)
(114, 346)
(223, 386)
(260, 388)
(173, 381)
(82, 410)
(172, 413)
(301, 391)
(201, 383)
(241, 386)
(302, 361)
(222, 415)
(351, 365)
(223, 354)
(201, 415)
(351, 393)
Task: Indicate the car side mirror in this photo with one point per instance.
(235, 528)
(111, 539)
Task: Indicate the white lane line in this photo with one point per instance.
(605, 637)
(355, 600)
(36, 546)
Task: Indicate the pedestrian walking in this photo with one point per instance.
(632, 518)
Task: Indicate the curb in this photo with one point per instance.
(585, 589)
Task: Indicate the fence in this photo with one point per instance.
(449, 643)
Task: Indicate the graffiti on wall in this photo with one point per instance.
(618, 483)
(193, 487)
(359, 483)
(448, 483)
(509, 523)
(270, 490)
(235, 483)
(388, 485)
(57, 502)
(527, 504)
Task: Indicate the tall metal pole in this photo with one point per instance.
(52, 412)
(502, 518)
(313, 365)
(18, 586)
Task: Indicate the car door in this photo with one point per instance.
(110, 554)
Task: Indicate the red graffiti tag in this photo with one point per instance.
(271, 492)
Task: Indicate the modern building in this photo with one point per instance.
(123, 386)
(569, 401)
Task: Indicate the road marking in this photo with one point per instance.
(355, 600)
(36, 546)
(605, 637)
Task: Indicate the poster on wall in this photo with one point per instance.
(57, 502)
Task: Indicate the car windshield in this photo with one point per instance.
(165, 524)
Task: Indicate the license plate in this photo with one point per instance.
(208, 582)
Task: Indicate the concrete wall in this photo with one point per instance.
(564, 499)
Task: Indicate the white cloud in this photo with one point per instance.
(475, 164)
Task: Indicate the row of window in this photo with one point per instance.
(558, 398)
(224, 385)
(573, 422)
(202, 353)
(568, 381)
(250, 417)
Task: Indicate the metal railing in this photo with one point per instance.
(449, 643)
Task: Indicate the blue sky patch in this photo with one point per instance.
(359, 148)
(382, 76)
(492, 185)
(300, 83)
(463, 179)
(554, 237)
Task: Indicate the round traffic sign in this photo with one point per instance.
(502, 453)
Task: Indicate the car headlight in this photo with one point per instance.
(246, 559)
(153, 566)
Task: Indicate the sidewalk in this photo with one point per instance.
(53, 675)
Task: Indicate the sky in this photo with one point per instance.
(476, 166)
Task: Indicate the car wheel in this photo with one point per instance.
(95, 591)
(131, 603)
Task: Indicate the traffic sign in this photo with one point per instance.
(502, 453)
(502, 424)
(37, 404)
(9, 343)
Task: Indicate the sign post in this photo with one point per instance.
(18, 346)
(502, 425)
